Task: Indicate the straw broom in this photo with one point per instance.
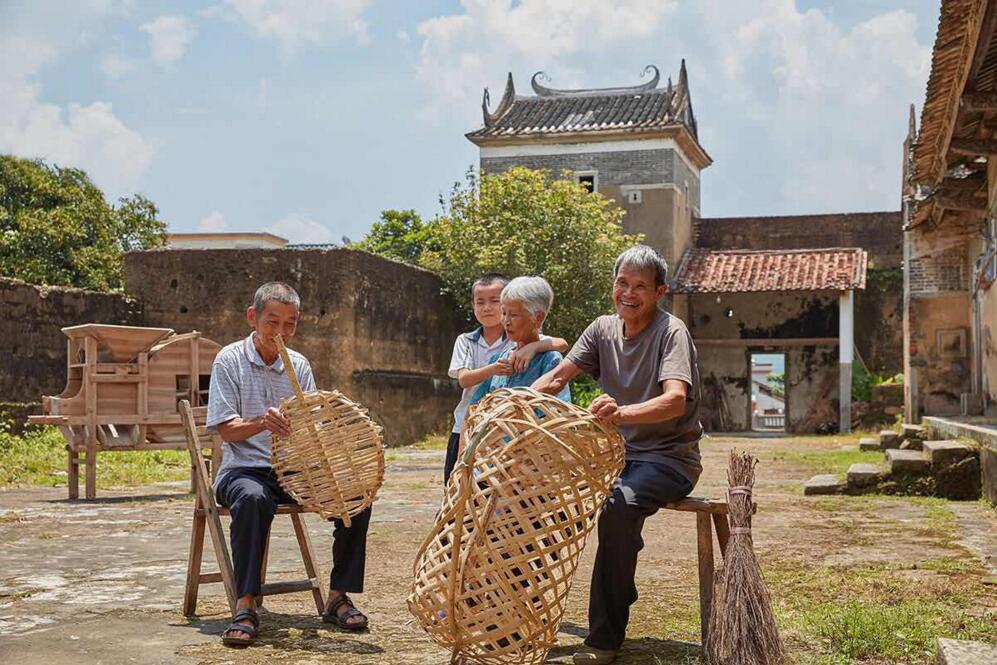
(742, 625)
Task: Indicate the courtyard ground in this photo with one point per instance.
(868, 580)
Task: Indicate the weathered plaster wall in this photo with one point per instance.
(32, 346)
(378, 330)
(811, 371)
(940, 380)
(988, 339)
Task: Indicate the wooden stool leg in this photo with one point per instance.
(723, 532)
(263, 567)
(73, 469)
(194, 564)
(222, 556)
(312, 568)
(91, 466)
(704, 541)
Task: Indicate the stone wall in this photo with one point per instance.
(32, 346)
(378, 330)
(879, 233)
(724, 362)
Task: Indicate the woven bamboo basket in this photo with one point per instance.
(492, 578)
(333, 461)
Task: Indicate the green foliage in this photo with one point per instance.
(584, 389)
(400, 235)
(524, 222)
(57, 228)
(38, 457)
(777, 382)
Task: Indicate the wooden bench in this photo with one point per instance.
(207, 513)
(711, 515)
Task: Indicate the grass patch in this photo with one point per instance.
(828, 461)
(38, 457)
(433, 442)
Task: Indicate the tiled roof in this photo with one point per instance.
(706, 271)
(549, 112)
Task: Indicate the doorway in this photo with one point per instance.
(768, 392)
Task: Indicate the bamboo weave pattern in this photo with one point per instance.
(333, 461)
(492, 578)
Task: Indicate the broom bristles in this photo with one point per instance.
(742, 625)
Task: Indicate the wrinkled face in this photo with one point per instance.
(487, 304)
(276, 317)
(635, 295)
(520, 326)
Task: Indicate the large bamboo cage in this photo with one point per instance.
(333, 460)
(492, 578)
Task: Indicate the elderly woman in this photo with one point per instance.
(525, 303)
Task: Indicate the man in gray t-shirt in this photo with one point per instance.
(645, 361)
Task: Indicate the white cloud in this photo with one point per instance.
(295, 24)
(115, 67)
(213, 222)
(169, 37)
(88, 136)
(301, 229)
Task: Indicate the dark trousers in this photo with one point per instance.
(639, 492)
(451, 460)
(251, 494)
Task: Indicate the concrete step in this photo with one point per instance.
(862, 474)
(912, 444)
(913, 432)
(823, 484)
(965, 652)
(889, 439)
(940, 453)
(907, 462)
(870, 444)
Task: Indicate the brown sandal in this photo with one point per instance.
(235, 626)
(343, 621)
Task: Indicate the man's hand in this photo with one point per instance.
(606, 409)
(276, 423)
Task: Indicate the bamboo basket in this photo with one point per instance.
(492, 578)
(333, 461)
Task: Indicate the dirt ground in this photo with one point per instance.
(102, 581)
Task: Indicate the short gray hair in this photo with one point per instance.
(278, 292)
(534, 292)
(643, 257)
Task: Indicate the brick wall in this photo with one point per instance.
(939, 272)
(879, 233)
(378, 330)
(32, 346)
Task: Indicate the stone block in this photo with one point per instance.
(907, 462)
(869, 444)
(908, 432)
(959, 480)
(946, 452)
(889, 439)
(862, 475)
(912, 444)
(988, 471)
(965, 652)
(823, 484)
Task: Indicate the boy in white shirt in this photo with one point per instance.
(469, 363)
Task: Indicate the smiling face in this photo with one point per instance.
(276, 317)
(521, 326)
(488, 305)
(635, 294)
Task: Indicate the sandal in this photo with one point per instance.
(343, 621)
(251, 630)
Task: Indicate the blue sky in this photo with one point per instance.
(308, 117)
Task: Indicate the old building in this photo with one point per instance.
(950, 331)
(790, 286)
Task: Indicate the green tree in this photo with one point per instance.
(401, 235)
(524, 222)
(57, 228)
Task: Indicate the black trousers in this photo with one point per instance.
(638, 493)
(251, 494)
(452, 444)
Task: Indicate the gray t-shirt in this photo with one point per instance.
(632, 371)
(243, 386)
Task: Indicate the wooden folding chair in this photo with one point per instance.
(208, 514)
